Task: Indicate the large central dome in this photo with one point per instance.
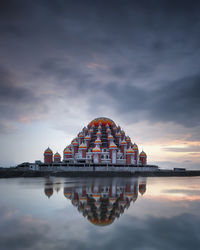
(102, 120)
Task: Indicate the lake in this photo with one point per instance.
(100, 213)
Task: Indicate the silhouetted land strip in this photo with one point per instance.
(12, 173)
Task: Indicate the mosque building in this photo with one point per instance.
(101, 142)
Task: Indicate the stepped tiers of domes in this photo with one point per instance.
(102, 141)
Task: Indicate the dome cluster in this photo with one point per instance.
(102, 141)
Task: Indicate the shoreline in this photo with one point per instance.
(13, 173)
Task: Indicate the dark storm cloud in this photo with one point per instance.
(10, 89)
(64, 73)
(138, 57)
(176, 101)
(16, 101)
(179, 101)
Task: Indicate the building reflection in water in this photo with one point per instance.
(100, 203)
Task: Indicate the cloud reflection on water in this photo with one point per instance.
(152, 222)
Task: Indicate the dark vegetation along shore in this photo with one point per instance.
(12, 173)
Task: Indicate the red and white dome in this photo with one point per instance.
(135, 147)
(143, 154)
(48, 151)
(112, 145)
(123, 142)
(67, 150)
(57, 155)
(83, 145)
(101, 120)
(130, 151)
(96, 150)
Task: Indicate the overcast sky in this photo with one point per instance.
(63, 63)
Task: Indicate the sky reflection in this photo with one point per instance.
(70, 214)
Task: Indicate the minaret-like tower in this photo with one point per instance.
(113, 153)
(98, 142)
(80, 138)
(123, 147)
(119, 137)
(96, 153)
(143, 158)
(48, 156)
(135, 149)
(87, 140)
(57, 157)
(67, 153)
(128, 141)
(74, 147)
(130, 156)
(83, 149)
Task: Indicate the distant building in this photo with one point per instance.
(100, 142)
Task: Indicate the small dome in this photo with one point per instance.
(98, 140)
(48, 151)
(68, 194)
(130, 150)
(96, 149)
(96, 196)
(67, 151)
(135, 147)
(75, 139)
(87, 137)
(143, 154)
(112, 145)
(48, 191)
(83, 145)
(128, 139)
(112, 199)
(82, 199)
(142, 188)
(118, 134)
(110, 137)
(57, 155)
(123, 203)
(80, 135)
(75, 143)
(123, 142)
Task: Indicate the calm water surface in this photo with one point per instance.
(79, 213)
